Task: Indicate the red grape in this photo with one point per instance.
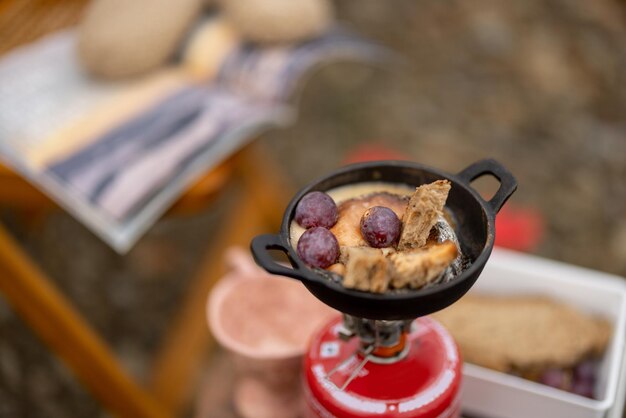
(584, 378)
(316, 209)
(318, 247)
(586, 371)
(583, 388)
(555, 378)
(380, 226)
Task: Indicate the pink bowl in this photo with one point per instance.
(262, 316)
(265, 322)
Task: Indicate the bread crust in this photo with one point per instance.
(367, 269)
(420, 267)
(424, 208)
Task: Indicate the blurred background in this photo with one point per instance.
(540, 85)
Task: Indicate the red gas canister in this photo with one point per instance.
(344, 380)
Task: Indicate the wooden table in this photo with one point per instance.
(52, 317)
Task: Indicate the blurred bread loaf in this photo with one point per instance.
(120, 38)
(523, 333)
(278, 20)
(208, 46)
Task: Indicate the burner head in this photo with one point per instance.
(384, 341)
(475, 232)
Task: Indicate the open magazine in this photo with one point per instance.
(116, 155)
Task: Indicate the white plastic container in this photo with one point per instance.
(492, 394)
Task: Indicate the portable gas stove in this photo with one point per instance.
(379, 360)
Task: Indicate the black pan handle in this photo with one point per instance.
(259, 246)
(508, 184)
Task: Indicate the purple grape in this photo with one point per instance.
(584, 378)
(586, 371)
(380, 226)
(555, 378)
(318, 247)
(316, 209)
(583, 388)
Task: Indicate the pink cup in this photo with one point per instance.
(265, 322)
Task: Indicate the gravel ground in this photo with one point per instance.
(537, 84)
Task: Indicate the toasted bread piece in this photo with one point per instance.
(337, 268)
(347, 230)
(343, 253)
(523, 333)
(366, 269)
(424, 208)
(419, 267)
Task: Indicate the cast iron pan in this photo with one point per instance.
(475, 231)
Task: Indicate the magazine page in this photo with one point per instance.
(116, 155)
